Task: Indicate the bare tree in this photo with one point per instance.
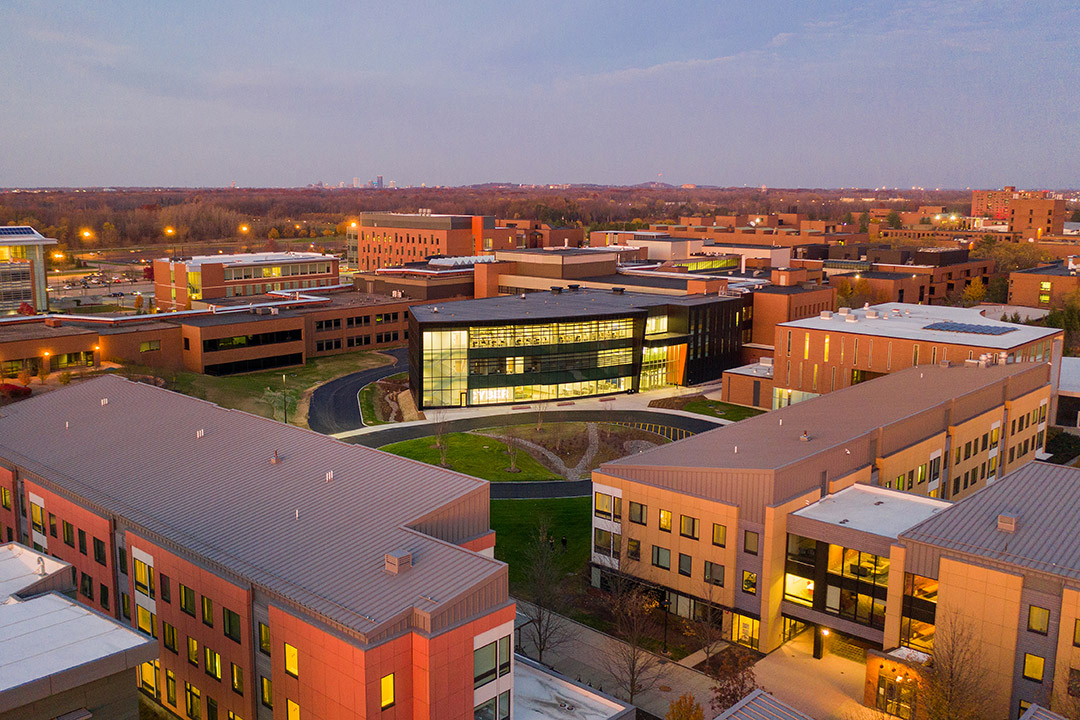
(541, 408)
(438, 426)
(544, 589)
(735, 677)
(955, 685)
(633, 609)
(707, 628)
(512, 449)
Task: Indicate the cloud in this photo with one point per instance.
(781, 39)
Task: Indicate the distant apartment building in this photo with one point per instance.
(178, 284)
(788, 519)
(279, 572)
(1045, 286)
(568, 343)
(822, 354)
(22, 269)
(996, 203)
(772, 230)
(1035, 218)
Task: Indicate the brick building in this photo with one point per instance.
(996, 203)
(1045, 286)
(195, 524)
(1035, 218)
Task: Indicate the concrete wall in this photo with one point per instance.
(113, 697)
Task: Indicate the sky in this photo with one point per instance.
(952, 93)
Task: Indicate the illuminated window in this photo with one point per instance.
(750, 542)
(267, 694)
(192, 701)
(213, 663)
(187, 600)
(193, 651)
(144, 578)
(749, 582)
(146, 620)
(293, 710)
(688, 527)
(208, 611)
(169, 634)
(292, 661)
(806, 347)
(1038, 620)
(826, 348)
(264, 638)
(386, 691)
(665, 520)
(1033, 667)
(237, 679)
(719, 535)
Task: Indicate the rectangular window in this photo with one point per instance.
(207, 611)
(69, 534)
(145, 620)
(5, 498)
(750, 542)
(231, 621)
(170, 687)
(1033, 667)
(237, 679)
(719, 535)
(125, 605)
(144, 578)
(639, 513)
(292, 710)
(264, 638)
(52, 524)
(1038, 620)
(192, 701)
(213, 663)
(661, 557)
(686, 563)
(166, 588)
(168, 633)
(187, 599)
(267, 692)
(504, 655)
(104, 596)
(292, 660)
(603, 505)
(386, 691)
(714, 573)
(633, 549)
(86, 586)
(688, 527)
(665, 520)
(193, 651)
(82, 541)
(749, 582)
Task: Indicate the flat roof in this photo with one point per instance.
(760, 705)
(911, 322)
(1059, 268)
(252, 258)
(130, 327)
(1038, 712)
(757, 369)
(640, 279)
(557, 251)
(546, 305)
(229, 317)
(541, 694)
(219, 497)
(1044, 499)
(19, 235)
(38, 330)
(873, 509)
(773, 440)
(1069, 379)
(19, 568)
(48, 637)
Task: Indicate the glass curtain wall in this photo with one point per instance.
(445, 367)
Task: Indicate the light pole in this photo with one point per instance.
(284, 399)
(665, 604)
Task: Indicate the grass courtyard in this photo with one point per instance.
(475, 455)
(515, 522)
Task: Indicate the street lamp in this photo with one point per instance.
(284, 399)
(665, 604)
(170, 231)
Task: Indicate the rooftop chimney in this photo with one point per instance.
(1007, 523)
(398, 561)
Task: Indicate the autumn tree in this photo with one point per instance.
(735, 677)
(633, 609)
(685, 707)
(544, 590)
(893, 220)
(974, 293)
(954, 684)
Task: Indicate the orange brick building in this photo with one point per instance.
(1035, 218)
(996, 203)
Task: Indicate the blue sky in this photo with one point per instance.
(812, 94)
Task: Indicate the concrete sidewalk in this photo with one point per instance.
(582, 657)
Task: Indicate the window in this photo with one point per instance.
(1073, 688)
(504, 655)
(187, 599)
(1076, 633)
(144, 578)
(292, 661)
(749, 582)
(213, 663)
(69, 534)
(146, 620)
(193, 651)
(192, 702)
(52, 524)
(125, 605)
(168, 633)
(207, 611)
(685, 564)
(231, 621)
(604, 506)
(264, 638)
(170, 687)
(104, 596)
(639, 513)
(896, 697)
(149, 345)
(1033, 667)
(82, 541)
(1038, 620)
(386, 691)
(750, 542)
(714, 573)
(292, 710)
(267, 692)
(237, 679)
(719, 535)
(86, 586)
(688, 527)
(665, 520)
(5, 498)
(211, 709)
(166, 588)
(497, 708)
(633, 549)
(661, 557)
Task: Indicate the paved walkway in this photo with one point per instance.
(335, 406)
(582, 657)
(827, 689)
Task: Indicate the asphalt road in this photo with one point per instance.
(334, 407)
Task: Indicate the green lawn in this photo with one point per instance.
(261, 393)
(724, 410)
(475, 455)
(514, 521)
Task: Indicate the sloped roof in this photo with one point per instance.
(760, 705)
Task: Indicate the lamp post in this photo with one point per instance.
(665, 604)
(284, 399)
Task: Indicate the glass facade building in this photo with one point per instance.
(557, 346)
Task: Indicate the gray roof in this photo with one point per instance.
(546, 306)
(772, 440)
(1038, 712)
(873, 509)
(219, 496)
(1046, 502)
(1058, 268)
(760, 705)
(231, 317)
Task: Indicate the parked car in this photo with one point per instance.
(116, 294)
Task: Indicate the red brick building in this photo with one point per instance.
(996, 203)
(283, 573)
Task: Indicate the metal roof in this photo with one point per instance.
(243, 259)
(1044, 498)
(200, 476)
(760, 705)
(872, 509)
(1038, 712)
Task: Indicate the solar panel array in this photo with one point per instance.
(970, 328)
(19, 230)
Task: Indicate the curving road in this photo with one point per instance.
(334, 407)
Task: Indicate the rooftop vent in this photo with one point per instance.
(826, 314)
(556, 289)
(871, 314)
(199, 433)
(434, 309)
(843, 311)
(618, 290)
(573, 287)
(53, 322)
(850, 318)
(398, 561)
(1007, 523)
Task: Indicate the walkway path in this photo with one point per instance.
(335, 407)
(554, 462)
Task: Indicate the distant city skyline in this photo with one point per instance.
(833, 94)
